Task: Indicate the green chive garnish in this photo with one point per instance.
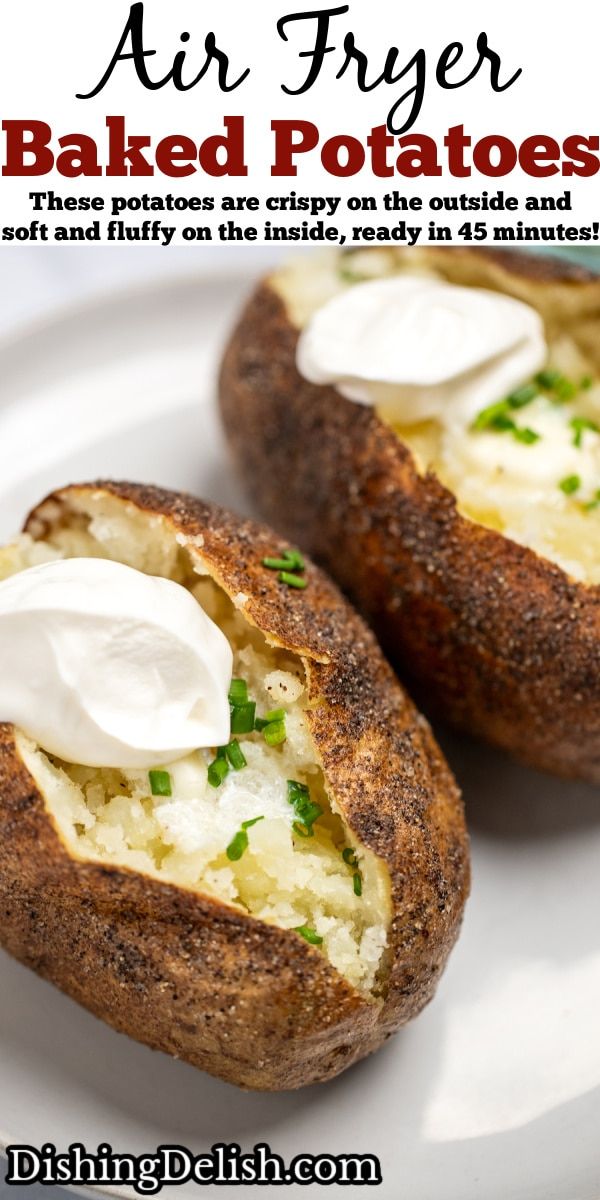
(548, 379)
(235, 755)
(301, 830)
(293, 581)
(522, 396)
(237, 846)
(579, 426)
(306, 810)
(571, 484)
(291, 560)
(496, 417)
(276, 564)
(310, 935)
(239, 843)
(488, 416)
(349, 857)
(238, 691)
(565, 390)
(272, 726)
(526, 435)
(357, 884)
(242, 717)
(297, 792)
(309, 814)
(160, 783)
(289, 564)
(561, 389)
(275, 734)
(307, 817)
(217, 770)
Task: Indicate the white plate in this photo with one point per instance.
(494, 1092)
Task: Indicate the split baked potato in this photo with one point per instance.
(282, 963)
(489, 604)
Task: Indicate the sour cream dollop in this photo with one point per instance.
(420, 348)
(107, 667)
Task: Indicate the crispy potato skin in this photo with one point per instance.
(184, 973)
(493, 637)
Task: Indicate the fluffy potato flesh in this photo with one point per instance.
(555, 518)
(327, 885)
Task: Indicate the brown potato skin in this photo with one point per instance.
(496, 639)
(184, 973)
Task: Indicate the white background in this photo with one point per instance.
(35, 285)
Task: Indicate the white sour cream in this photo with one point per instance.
(421, 349)
(107, 667)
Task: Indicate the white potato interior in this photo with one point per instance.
(111, 815)
(564, 528)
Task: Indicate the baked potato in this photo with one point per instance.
(285, 962)
(486, 597)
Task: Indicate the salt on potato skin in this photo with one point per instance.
(191, 974)
(501, 638)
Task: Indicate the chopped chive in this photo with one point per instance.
(217, 770)
(564, 390)
(496, 419)
(239, 843)
(309, 814)
(272, 727)
(502, 423)
(593, 503)
(221, 752)
(296, 790)
(586, 383)
(522, 396)
(237, 846)
(571, 484)
(253, 821)
(293, 581)
(357, 884)
(291, 560)
(302, 831)
(235, 755)
(160, 783)
(548, 379)
(275, 733)
(238, 691)
(489, 415)
(307, 811)
(309, 935)
(525, 435)
(579, 425)
(242, 717)
(295, 560)
(349, 857)
(306, 819)
(277, 564)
